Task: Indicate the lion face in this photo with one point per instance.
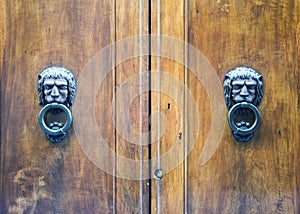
(55, 90)
(243, 85)
(243, 90)
(56, 84)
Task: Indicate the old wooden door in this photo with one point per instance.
(196, 166)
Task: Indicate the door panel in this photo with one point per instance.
(37, 176)
(261, 176)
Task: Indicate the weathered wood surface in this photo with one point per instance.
(132, 195)
(36, 176)
(171, 187)
(262, 176)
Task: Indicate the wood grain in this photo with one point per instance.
(171, 187)
(132, 195)
(37, 176)
(262, 176)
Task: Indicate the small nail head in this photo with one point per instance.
(158, 174)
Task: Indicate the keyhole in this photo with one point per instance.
(180, 136)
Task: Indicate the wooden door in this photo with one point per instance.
(206, 170)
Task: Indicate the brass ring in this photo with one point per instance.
(233, 126)
(48, 130)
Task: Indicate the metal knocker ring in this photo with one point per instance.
(55, 135)
(243, 131)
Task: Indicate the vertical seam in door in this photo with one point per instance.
(185, 167)
(115, 105)
(158, 105)
(149, 107)
(141, 101)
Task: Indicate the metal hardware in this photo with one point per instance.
(158, 174)
(243, 91)
(56, 89)
(56, 131)
(242, 131)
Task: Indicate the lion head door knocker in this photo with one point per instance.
(243, 91)
(56, 89)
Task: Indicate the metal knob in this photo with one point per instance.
(243, 91)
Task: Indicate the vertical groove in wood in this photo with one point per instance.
(2, 66)
(186, 104)
(114, 30)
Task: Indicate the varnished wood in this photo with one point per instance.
(36, 176)
(171, 198)
(129, 197)
(262, 176)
